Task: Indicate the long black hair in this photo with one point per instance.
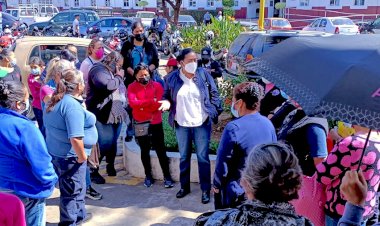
(181, 56)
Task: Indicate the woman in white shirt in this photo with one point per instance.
(193, 100)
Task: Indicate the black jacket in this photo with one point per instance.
(126, 51)
(214, 65)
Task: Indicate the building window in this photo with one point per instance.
(19, 1)
(236, 3)
(304, 2)
(126, 3)
(359, 2)
(27, 1)
(76, 3)
(107, 2)
(93, 2)
(210, 3)
(192, 3)
(334, 2)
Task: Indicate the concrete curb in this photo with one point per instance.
(133, 165)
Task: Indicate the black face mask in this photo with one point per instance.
(139, 37)
(144, 80)
(205, 61)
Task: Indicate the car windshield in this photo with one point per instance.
(146, 15)
(92, 17)
(242, 41)
(280, 23)
(342, 21)
(185, 18)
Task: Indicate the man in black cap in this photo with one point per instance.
(210, 65)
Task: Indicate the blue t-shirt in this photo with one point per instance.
(238, 139)
(162, 23)
(138, 56)
(69, 119)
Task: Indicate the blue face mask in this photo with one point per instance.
(35, 71)
(234, 112)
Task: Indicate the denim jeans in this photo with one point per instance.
(155, 139)
(201, 137)
(88, 178)
(108, 135)
(38, 114)
(72, 185)
(130, 132)
(35, 214)
(330, 221)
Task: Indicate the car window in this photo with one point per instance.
(342, 21)
(315, 23)
(13, 12)
(55, 10)
(35, 53)
(43, 10)
(271, 41)
(27, 12)
(106, 23)
(116, 22)
(91, 17)
(280, 23)
(82, 53)
(62, 17)
(376, 23)
(323, 23)
(241, 42)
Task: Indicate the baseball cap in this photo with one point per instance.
(206, 52)
(172, 62)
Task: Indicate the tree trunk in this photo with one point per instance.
(176, 7)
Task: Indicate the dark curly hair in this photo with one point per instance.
(11, 92)
(272, 173)
(251, 93)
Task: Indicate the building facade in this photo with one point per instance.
(302, 12)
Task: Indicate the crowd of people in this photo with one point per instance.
(80, 108)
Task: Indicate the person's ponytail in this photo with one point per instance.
(58, 94)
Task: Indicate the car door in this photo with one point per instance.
(61, 20)
(315, 25)
(106, 27)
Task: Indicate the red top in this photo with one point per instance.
(12, 211)
(35, 87)
(144, 101)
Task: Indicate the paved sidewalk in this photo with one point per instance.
(127, 202)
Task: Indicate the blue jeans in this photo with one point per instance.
(201, 137)
(330, 221)
(72, 185)
(88, 178)
(35, 214)
(108, 134)
(39, 115)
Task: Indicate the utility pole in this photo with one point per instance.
(261, 14)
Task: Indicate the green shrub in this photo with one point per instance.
(225, 32)
(171, 140)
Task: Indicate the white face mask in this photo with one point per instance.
(191, 67)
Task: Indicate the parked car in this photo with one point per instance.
(372, 27)
(277, 24)
(31, 13)
(8, 20)
(108, 24)
(66, 18)
(249, 26)
(186, 21)
(146, 17)
(249, 45)
(102, 11)
(46, 48)
(333, 25)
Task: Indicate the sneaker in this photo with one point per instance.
(168, 183)
(92, 194)
(97, 178)
(148, 182)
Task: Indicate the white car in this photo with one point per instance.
(333, 25)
